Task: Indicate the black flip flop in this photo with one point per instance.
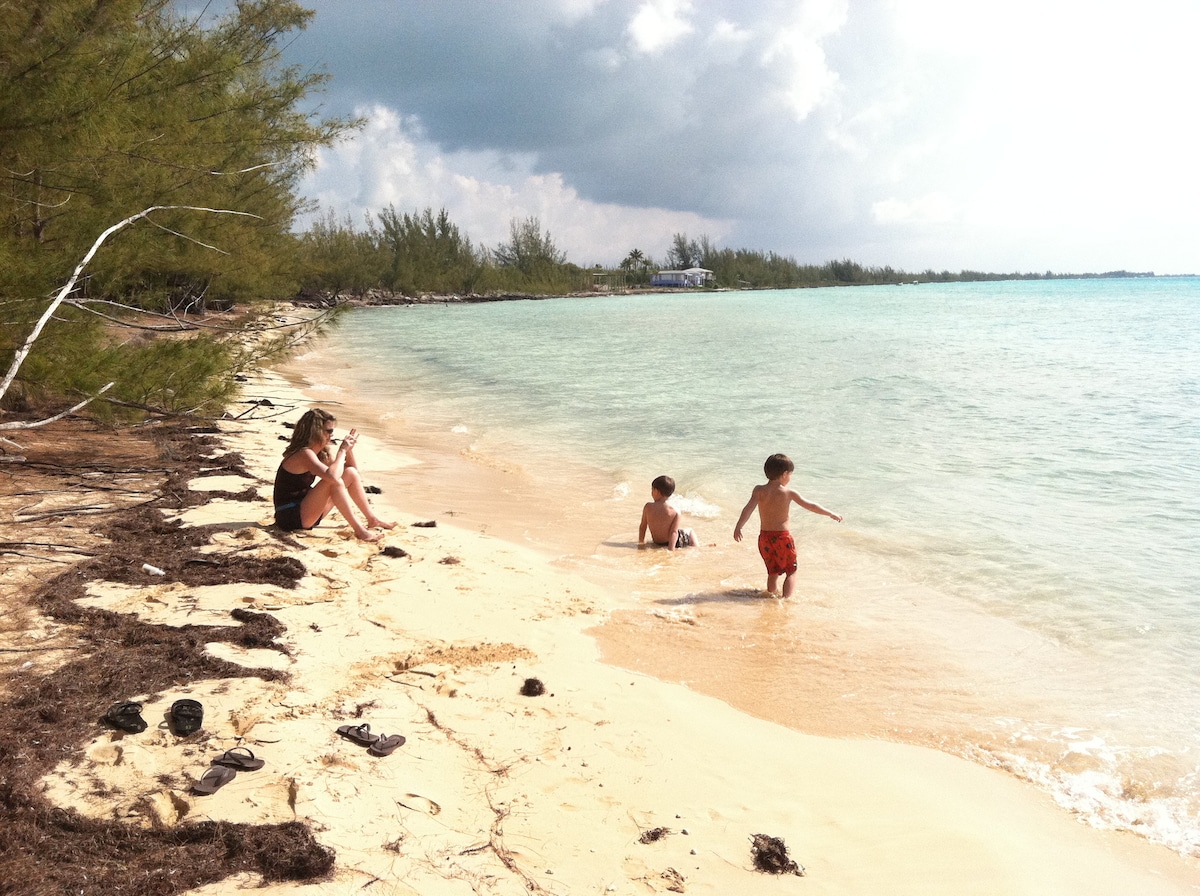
(126, 716)
(213, 780)
(386, 745)
(240, 758)
(186, 717)
(360, 734)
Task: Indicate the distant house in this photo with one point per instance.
(692, 277)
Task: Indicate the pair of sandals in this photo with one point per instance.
(376, 744)
(185, 717)
(225, 768)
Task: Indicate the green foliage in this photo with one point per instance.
(110, 108)
(428, 253)
(182, 374)
(188, 375)
(637, 267)
(529, 250)
(422, 252)
(684, 253)
(338, 258)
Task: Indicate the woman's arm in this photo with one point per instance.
(348, 443)
(310, 463)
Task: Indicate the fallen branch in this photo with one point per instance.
(12, 545)
(71, 410)
(85, 510)
(69, 287)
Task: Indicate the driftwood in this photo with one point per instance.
(62, 298)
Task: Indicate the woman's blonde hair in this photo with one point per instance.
(310, 424)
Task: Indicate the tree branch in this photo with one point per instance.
(23, 352)
(71, 410)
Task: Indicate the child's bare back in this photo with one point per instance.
(774, 503)
(662, 520)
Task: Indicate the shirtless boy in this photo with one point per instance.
(774, 502)
(662, 519)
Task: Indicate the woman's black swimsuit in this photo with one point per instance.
(290, 489)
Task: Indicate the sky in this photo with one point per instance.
(1028, 136)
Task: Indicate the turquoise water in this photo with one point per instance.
(1018, 465)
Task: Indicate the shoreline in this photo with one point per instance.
(868, 650)
(925, 770)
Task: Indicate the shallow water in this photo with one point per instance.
(1017, 464)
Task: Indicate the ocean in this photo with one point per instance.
(1018, 465)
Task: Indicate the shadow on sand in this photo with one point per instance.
(728, 596)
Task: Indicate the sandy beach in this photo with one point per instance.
(610, 781)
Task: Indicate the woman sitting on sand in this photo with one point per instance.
(301, 504)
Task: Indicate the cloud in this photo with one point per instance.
(390, 162)
(659, 24)
(932, 209)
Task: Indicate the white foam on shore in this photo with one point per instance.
(696, 506)
(1106, 799)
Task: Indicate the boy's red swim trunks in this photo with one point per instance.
(778, 551)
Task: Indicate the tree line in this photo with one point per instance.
(420, 252)
(423, 252)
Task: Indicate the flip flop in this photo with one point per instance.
(386, 745)
(214, 779)
(360, 734)
(186, 716)
(126, 716)
(240, 758)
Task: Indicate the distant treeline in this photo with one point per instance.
(421, 253)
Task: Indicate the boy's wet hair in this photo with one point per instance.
(665, 486)
(777, 465)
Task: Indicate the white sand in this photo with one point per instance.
(495, 792)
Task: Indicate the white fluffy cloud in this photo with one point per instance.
(390, 162)
(659, 24)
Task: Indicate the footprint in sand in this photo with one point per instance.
(107, 754)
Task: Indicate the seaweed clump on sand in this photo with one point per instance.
(46, 719)
(771, 856)
(532, 687)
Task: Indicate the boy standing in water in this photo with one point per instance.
(774, 503)
(662, 519)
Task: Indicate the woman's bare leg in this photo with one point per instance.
(358, 494)
(324, 495)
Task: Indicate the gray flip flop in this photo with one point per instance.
(240, 758)
(386, 744)
(213, 780)
(360, 734)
